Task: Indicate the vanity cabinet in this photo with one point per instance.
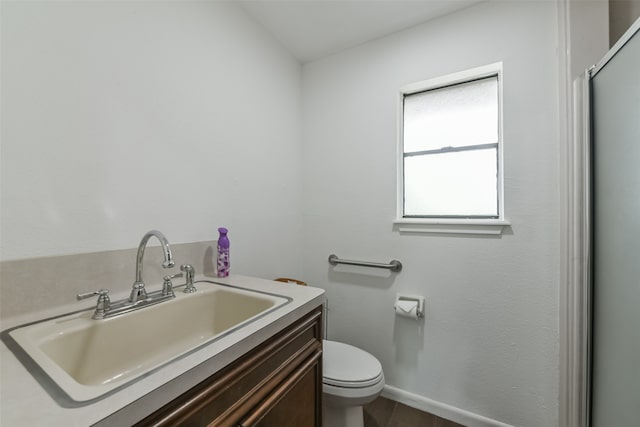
(277, 384)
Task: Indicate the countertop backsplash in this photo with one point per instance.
(36, 284)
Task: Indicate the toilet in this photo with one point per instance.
(351, 378)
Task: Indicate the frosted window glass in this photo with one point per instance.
(453, 116)
(452, 184)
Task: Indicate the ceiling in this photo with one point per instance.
(312, 29)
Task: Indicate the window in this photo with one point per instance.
(450, 150)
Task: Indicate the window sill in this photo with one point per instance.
(490, 227)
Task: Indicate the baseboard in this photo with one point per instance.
(440, 409)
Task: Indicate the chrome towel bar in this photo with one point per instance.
(394, 265)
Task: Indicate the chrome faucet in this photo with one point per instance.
(139, 297)
(138, 291)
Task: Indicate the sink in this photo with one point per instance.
(88, 359)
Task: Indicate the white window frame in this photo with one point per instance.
(450, 225)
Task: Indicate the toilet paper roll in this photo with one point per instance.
(407, 308)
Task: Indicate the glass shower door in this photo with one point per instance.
(615, 254)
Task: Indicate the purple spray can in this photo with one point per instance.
(223, 253)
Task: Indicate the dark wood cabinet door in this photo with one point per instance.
(278, 383)
(293, 403)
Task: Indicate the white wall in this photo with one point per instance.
(120, 117)
(489, 343)
(622, 14)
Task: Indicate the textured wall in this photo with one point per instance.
(489, 343)
(120, 117)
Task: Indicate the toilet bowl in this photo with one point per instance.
(351, 378)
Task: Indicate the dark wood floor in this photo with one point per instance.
(387, 413)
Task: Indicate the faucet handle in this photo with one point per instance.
(103, 304)
(101, 292)
(167, 286)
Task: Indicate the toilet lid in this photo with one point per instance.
(344, 365)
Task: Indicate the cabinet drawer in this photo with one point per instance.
(225, 398)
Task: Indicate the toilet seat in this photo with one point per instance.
(346, 366)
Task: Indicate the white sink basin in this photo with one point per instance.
(89, 358)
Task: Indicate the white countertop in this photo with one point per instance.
(24, 402)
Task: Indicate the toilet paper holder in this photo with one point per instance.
(409, 306)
